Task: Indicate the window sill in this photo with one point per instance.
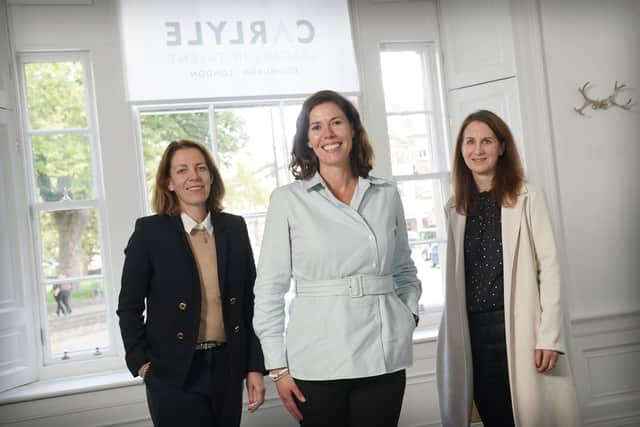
(424, 334)
(68, 386)
(116, 379)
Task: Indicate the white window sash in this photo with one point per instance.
(430, 314)
(52, 366)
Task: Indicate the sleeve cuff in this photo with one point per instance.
(274, 353)
(545, 343)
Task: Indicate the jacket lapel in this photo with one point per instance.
(458, 223)
(177, 224)
(510, 227)
(221, 234)
(184, 245)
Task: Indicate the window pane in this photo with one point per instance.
(248, 141)
(255, 227)
(411, 143)
(403, 81)
(62, 164)
(159, 129)
(70, 243)
(76, 315)
(422, 201)
(56, 95)
(291, 113)
(290, 117)
(427, 258)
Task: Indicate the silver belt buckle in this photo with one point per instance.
(356, 290)
(207, 345)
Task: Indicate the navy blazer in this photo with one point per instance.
(160, 268)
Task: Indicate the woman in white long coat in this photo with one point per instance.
(501, 338)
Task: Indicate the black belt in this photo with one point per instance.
(208, 345)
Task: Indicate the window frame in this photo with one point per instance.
(211, 107)
(430, 60)
(51, 366)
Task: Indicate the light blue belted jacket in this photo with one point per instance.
(356, 287)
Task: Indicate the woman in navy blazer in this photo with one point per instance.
(190, 382)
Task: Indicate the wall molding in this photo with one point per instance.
(630, 420)
(598, 324)
(607, 368)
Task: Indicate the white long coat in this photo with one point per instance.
(533, 320)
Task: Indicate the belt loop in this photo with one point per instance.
(356, 288)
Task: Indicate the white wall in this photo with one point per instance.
(597, 155)
(587, 165)
(596, 160)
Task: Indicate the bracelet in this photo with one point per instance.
(279, 375)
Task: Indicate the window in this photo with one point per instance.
(251, 142)
(419, 158)
(67, 206)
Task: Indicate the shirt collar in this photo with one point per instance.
(316, 180)
(189, 223)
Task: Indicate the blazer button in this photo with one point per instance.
(232, 300)
(180, 335)
(236, 329)
(182, 306)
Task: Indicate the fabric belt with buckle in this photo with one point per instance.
(353, 286)
(208, 345)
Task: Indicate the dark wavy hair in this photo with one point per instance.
(165, 201)
(304, 163)
(509, 175)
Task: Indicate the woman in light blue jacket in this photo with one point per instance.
(340, 233)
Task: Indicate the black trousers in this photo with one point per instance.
(60, 307)
(63, 298)
(207, 399)
(491, 390)
(359, 402)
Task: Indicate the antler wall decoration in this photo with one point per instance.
(602, 104)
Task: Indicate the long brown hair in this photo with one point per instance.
(509, 175)
(165, 201)
(304, 163)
